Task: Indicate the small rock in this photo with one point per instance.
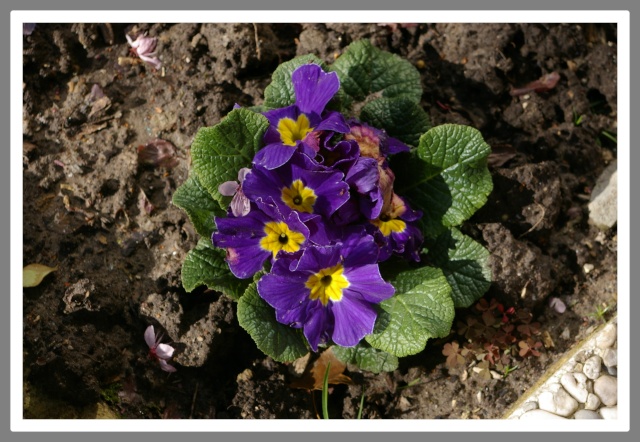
(608, 412)
(540, 414)
(587, 414)
(613, 371)
(607, 336)
(593, 402)
(566, 333)
(576, 385)
(592, 367)
(560, 402)
(530, 405)
(610, 357)
(606, 387)
(582, 356)
(578, 367)
(603, 208)
(245, 376)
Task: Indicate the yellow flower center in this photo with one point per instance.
(388, 225)
(327, 284)
(299, 197)
(293, 131)
(278, 237)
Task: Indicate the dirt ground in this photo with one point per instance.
(99, 209)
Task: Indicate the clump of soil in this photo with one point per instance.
(106, 143)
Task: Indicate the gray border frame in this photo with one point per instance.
(505, 5)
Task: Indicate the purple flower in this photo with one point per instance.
(144, 47)
(240, 204)
(161, 352)
(300, 126)
(396, 232)
(374, 143)
(330, 292)
(294, 186)
(260, 235)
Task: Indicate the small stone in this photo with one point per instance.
(560, 402)
(578, 367)
(576, 385)
(587, 414)
(607, 336)
(530, 405)
(566, 333)
(592, 367)
(588, 267)
(610, 357)
(582, 356)
(540, 414)
(593, 402)
(603, 209)
(613, 371)
(245, 376)
(607, 412)
(606, 387)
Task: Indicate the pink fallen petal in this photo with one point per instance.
(150, 337)
(240, 204)
(164, 351)
(228, 188)
(166, 367)
(557, 305)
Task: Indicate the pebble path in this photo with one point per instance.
(583, 387)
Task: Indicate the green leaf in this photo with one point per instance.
(400, 117)
(446, 177)
(421, 309)
(205, 265)
(367, 72)
(366, 358)
(219, 152)
(280, 92)
(282, 343)
(198, 204)
(465, 264)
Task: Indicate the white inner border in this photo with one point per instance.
(622, 18)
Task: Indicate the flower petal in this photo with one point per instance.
(353, 320)
(283, 292)
(166, 367)
(150, 336)
(314, 88)
(273, 155)
(366, 283)
(318, 326)
(164, 351)
(228, 188)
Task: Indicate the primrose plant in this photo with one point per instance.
(331, 212)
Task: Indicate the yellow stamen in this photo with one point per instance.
(327, 284)
(387, 226)
(293, 131)
(280, 237)
(299, 197)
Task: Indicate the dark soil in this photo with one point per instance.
(119, 257)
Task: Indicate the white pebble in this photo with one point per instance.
(592, 367)
(540, 414)
(606, 387)
(576, 385)
(560, 402)
(593, 402)
(530, 405)
(610, 357)
(607, 336)
(587, 414)
(608, 412)
(603, 211)
(613, 371)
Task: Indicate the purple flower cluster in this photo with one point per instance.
(318, 205)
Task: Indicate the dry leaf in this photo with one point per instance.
(313, 376)
(33, 274)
